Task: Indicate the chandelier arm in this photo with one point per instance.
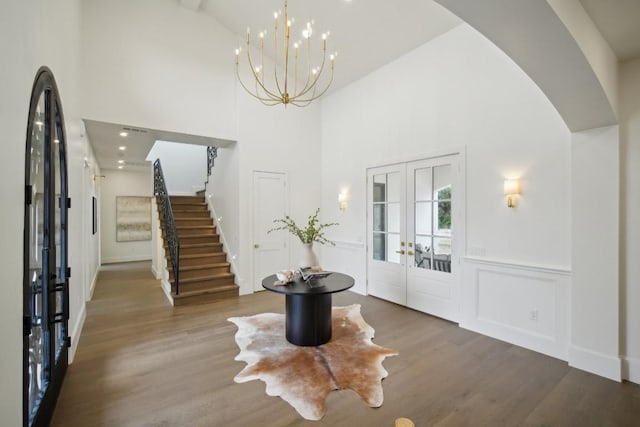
(275, 49)
(257, 78)
(306, 84)
(313, 98)
(275, 100)
(316, 78)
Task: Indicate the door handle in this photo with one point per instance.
(401, 252)
(256, 246)
(410, 253)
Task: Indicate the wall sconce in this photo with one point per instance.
(511, 189)
(343, 200)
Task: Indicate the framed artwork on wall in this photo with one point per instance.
(133, 218)
(94, 216)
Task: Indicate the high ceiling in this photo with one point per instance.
(366, 33)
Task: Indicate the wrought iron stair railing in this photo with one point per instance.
(168, 221)
(212, 153)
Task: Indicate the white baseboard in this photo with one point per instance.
(166, 288)
(597, 363)
(76, 331)
(631, 369)
(126, 259)
(223, 240)
(92, 288)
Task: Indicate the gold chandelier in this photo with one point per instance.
(283, 86)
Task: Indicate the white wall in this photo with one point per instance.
(121, 183)
(33, 34)
(456, 91)
(156, 64)
(184, 166)
(629, 214)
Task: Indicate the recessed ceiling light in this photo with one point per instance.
(122, 148)
(123, 134)
(120, 167)
(121, 162)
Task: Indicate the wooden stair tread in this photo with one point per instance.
(201, 266)
(198, 245)
(206, 277)
(193, 227)
(212, 290)
(206, 255)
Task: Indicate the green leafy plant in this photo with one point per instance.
(313, 232)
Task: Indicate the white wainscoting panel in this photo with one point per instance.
(349, 258)
(522, 304)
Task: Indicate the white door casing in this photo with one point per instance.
(270, 201)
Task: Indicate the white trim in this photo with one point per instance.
(92, 288)
(166, 288)
(76, 331)
(348, 244)
(126, 259)
(433, 154)
(511, 264)
(631, 369)
(223, 240)
(605, 365)
(182, 193)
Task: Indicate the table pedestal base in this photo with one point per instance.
(308, 319)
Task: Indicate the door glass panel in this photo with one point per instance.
(380, 188)
(393, 187)
(59, 336)
(393, 225)
(379, 217)
(379, 246)
(423, 218)
(422, 181)
(442, 254)
(422, 250)
(442, 179)
(37, 352)
(442, 225)
(393, 248)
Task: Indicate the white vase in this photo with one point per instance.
(309, 258)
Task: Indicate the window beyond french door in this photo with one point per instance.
(414, 218)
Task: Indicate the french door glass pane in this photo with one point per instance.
(442, 179)
(379, 217)
(37, 353)
(380, 188)
(379, 246)
(393, 187)
(423, 184)
(423, 218)
(393, 248)
(422, 250)
(59, 337)
(393, 225)
(442, 211)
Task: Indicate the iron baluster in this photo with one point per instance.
(168, 221)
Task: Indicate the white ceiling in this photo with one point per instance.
(366, 33)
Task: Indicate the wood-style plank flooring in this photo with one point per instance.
(141, 362)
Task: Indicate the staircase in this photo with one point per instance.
(204, 273)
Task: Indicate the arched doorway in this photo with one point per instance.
(46, 276)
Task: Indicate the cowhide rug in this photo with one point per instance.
(304, 376)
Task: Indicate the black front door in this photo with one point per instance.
(46, 276)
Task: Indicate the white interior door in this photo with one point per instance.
(413, 250)
(386, 269)
(270, 202)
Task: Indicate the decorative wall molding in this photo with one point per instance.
(525, 305)
(348, 244)
(512, 264)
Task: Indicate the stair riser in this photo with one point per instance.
(201, 250)
(203, 299)
(188, 274)
(203, 284)
(194, 239)
(197, 232)
(178, 214)
(186, 199)
(193, 221)
(184, 207)
(209, 259)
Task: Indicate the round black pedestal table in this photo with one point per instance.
(308, 306)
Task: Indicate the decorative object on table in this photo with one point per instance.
(133, 218)
(304, 376)
(281, 85)
(313, 232)
(313, 273)
(285, 277)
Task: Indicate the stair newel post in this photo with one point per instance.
(168, 221)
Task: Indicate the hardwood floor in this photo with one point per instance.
(141, 362)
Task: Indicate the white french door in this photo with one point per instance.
(414, 222)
